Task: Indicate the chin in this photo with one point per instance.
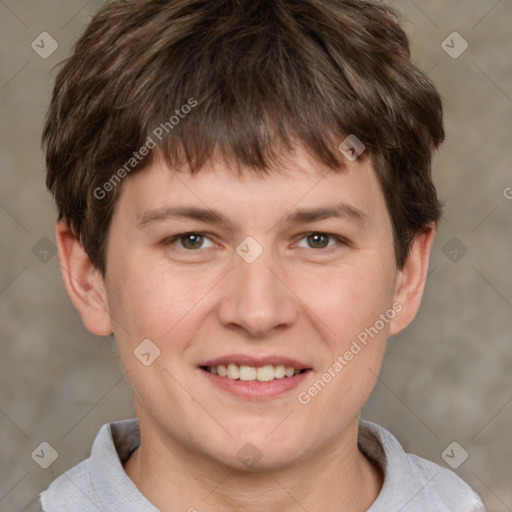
(252, 460)
(259, 451)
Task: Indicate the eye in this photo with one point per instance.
(317, 240)
(194, 241)
(188, 241)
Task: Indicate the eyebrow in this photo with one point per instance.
(297, 216)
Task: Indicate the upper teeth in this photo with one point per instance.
(262, 373)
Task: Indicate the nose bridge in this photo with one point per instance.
(256, 299)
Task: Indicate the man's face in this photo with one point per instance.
(265, 288)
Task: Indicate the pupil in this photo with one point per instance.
(191, 238)
(318, 237)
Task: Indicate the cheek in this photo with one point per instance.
(151, 301)
(354, 341)
(350, 305)
(350, 300)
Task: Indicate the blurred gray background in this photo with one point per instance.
(447, 378)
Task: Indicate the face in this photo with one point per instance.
(294, 269)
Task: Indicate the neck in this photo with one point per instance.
(338, 477)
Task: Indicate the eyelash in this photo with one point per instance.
(343, 241)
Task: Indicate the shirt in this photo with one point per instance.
(100, 484)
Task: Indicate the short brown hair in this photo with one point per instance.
(264, 75)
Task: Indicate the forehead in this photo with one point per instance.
(221, 192)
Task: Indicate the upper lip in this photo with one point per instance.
(257, 361)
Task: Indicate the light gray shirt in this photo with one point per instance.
(100, 484)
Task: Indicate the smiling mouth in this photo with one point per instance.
(266, 373)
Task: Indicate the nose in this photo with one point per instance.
(257, 299)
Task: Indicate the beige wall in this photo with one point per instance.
(447, 378)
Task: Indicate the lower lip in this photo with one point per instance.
(256, 390)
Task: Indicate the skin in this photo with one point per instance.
(299, 299)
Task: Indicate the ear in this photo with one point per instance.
(411, 280)
(84, 283)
